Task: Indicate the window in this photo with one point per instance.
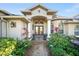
(76, 31)
(13, 24)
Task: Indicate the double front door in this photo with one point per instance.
(39, 30)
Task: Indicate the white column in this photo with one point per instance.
(48, 28)
(29, 30)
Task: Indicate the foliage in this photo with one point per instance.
(7, 46)
(58, 51)
(10, 46)
(21, 47)
(61, 45)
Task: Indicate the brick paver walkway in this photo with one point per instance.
(39, 48)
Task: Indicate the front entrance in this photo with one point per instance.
(39, 30)
(39, 27)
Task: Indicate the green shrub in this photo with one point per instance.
(58, 52)
(59, 40)
(7, 46)
(61, 45)
(21, 47)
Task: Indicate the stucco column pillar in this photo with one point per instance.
(48, 28)
(30, 30)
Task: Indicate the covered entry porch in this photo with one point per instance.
(39, 28)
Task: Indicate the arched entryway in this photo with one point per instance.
(39, 27)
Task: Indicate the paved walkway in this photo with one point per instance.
(39, 48)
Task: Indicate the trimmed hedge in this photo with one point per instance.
(60, 45)
(15, 47)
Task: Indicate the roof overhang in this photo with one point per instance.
(38, 6)
(5, 12)
(71, 22)
(28, 12)
(63, 19)
(16, 17)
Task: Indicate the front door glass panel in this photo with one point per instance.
(36, 30)
(39, 29)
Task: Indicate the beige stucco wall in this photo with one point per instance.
(16, 32)
(69, 29)
(36, 12)
(66, 29)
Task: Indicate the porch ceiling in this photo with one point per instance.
(39, 18)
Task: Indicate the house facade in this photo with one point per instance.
(36, 21)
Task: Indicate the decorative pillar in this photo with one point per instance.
(30, 30)
(48, 28)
